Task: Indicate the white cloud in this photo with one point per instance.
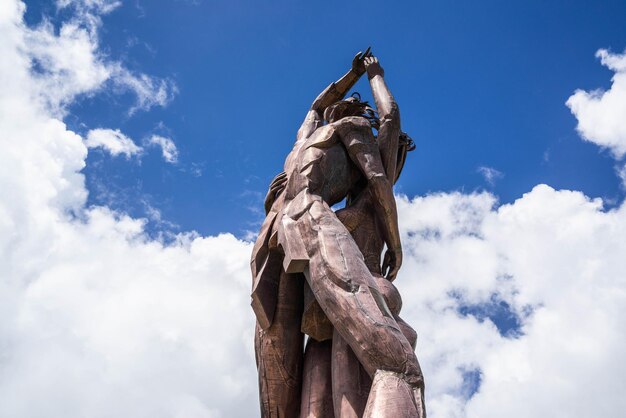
(113, 141)
(489, 174)
(168, 147)
(556, 252)
(601, 114)
(70, 63)
(97, 319)
(150, 91)
(97, 6)
(621, 172)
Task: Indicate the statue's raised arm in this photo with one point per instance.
(333, 93)
(389, 115)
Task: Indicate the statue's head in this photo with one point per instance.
(352, 106)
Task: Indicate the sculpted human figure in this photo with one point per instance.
(350, 382)
(343, 392)
(302, 236)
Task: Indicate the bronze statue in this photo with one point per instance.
(312, 276)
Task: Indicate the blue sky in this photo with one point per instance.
(479, 85)
(138, 139)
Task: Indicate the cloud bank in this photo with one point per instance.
(97, 319)
(555, 258)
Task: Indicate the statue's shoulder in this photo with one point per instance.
(322, 135)
(350, 123)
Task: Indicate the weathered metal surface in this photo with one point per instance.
(351, 383)
(348, 305)
(317, 398)
(279, 352)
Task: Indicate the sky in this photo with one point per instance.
(138, 139)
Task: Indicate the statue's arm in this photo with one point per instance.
(333, 93)
(385, 103)
(389, 115)
(356, 135)
(353, 215)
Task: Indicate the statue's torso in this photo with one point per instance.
(320, 163)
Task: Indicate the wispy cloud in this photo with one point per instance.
(67, 62)
(621, 172)
(113, 141)
(168, 147)
(491, 175)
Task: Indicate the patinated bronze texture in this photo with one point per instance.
(317, 272)
(351, 385)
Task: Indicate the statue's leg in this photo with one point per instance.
(394, 302)
(279, 352)
(407, 330)
(391, 396)
(317, 398)
(348, 294)
(351, 383)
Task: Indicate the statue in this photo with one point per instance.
(319, 273)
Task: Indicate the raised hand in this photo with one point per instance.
(358, 62)
(373, 67)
